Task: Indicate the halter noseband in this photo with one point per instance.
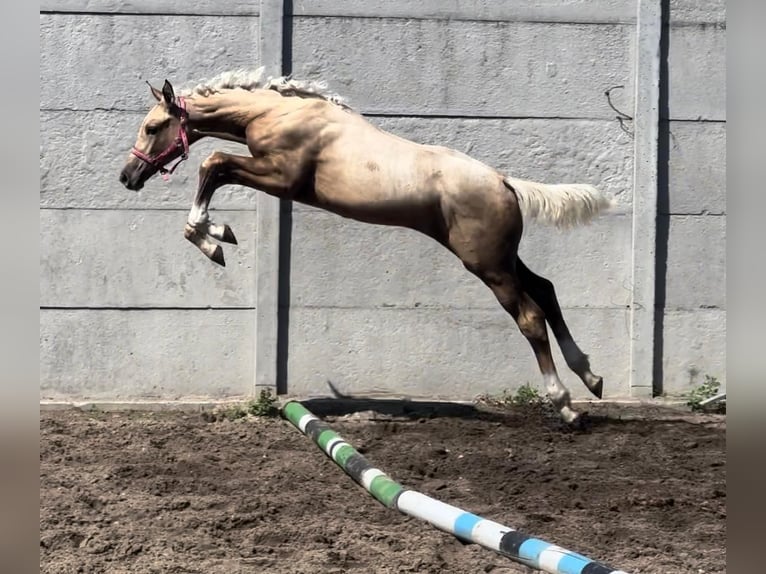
(179, 147)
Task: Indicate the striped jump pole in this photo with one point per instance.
(511, 543)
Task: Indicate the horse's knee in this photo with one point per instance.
(532, 324)
(212, 163)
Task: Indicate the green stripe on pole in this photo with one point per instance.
(294, 412)
(385, 490)
(344, 453)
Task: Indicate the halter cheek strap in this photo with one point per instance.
(179, 147)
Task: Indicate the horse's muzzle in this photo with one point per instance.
(128, 178)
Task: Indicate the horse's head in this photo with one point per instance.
(162, 138)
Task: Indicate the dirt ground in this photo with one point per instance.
(170, 492)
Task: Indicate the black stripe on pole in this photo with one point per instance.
(512, 541)
(315, 427)
(355, 467)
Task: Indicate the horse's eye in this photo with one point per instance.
(151, 130)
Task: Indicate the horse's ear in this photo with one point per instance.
(168, 94)
(155, 92)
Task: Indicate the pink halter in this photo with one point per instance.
(179, 147)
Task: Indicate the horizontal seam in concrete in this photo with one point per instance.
(697, 214)
(718, 24)
(457, 18)
(142, 308)
(457, 116)
(201, 13)
(683, 309)
(96, 109)
(699, 120)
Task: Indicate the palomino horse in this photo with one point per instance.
(307, 146)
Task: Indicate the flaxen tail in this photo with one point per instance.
(562, 205)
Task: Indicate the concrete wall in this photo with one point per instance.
(692, 204)
(130, 310)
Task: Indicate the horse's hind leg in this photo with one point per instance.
(544, 294)
(530, 318)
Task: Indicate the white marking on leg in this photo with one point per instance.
(559, 396)
(555, 389)
(197, 216)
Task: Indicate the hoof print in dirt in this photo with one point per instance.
(581, 423)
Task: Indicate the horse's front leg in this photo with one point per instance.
(213, 173)
(221, 169)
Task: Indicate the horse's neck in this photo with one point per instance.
(227, 113)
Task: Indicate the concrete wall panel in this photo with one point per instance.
(696, 274)
(101, 61)
(694, 346)
(203, 7)
(495, 69)
(117, 355)
(697, 11)
(588, 11)
(697, 73)
(141, 259)
(696, 168)
(440, 353)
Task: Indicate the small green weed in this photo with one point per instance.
(264, 406)
(526, 396)
(706, 390)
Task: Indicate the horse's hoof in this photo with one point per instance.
(228, 235)
(597, 388)
(217, 256)
(580, 421)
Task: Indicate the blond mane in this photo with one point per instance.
(254, 80)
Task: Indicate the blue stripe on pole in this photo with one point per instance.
(532, 548)
(573, 563)
(464, 525)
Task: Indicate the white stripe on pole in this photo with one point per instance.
(369, 475)
(424, 507)
(550, 557)
(306, 419)
(488, 533)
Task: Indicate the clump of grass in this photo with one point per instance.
(264, 406)
(703, 391)
(525, 396)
